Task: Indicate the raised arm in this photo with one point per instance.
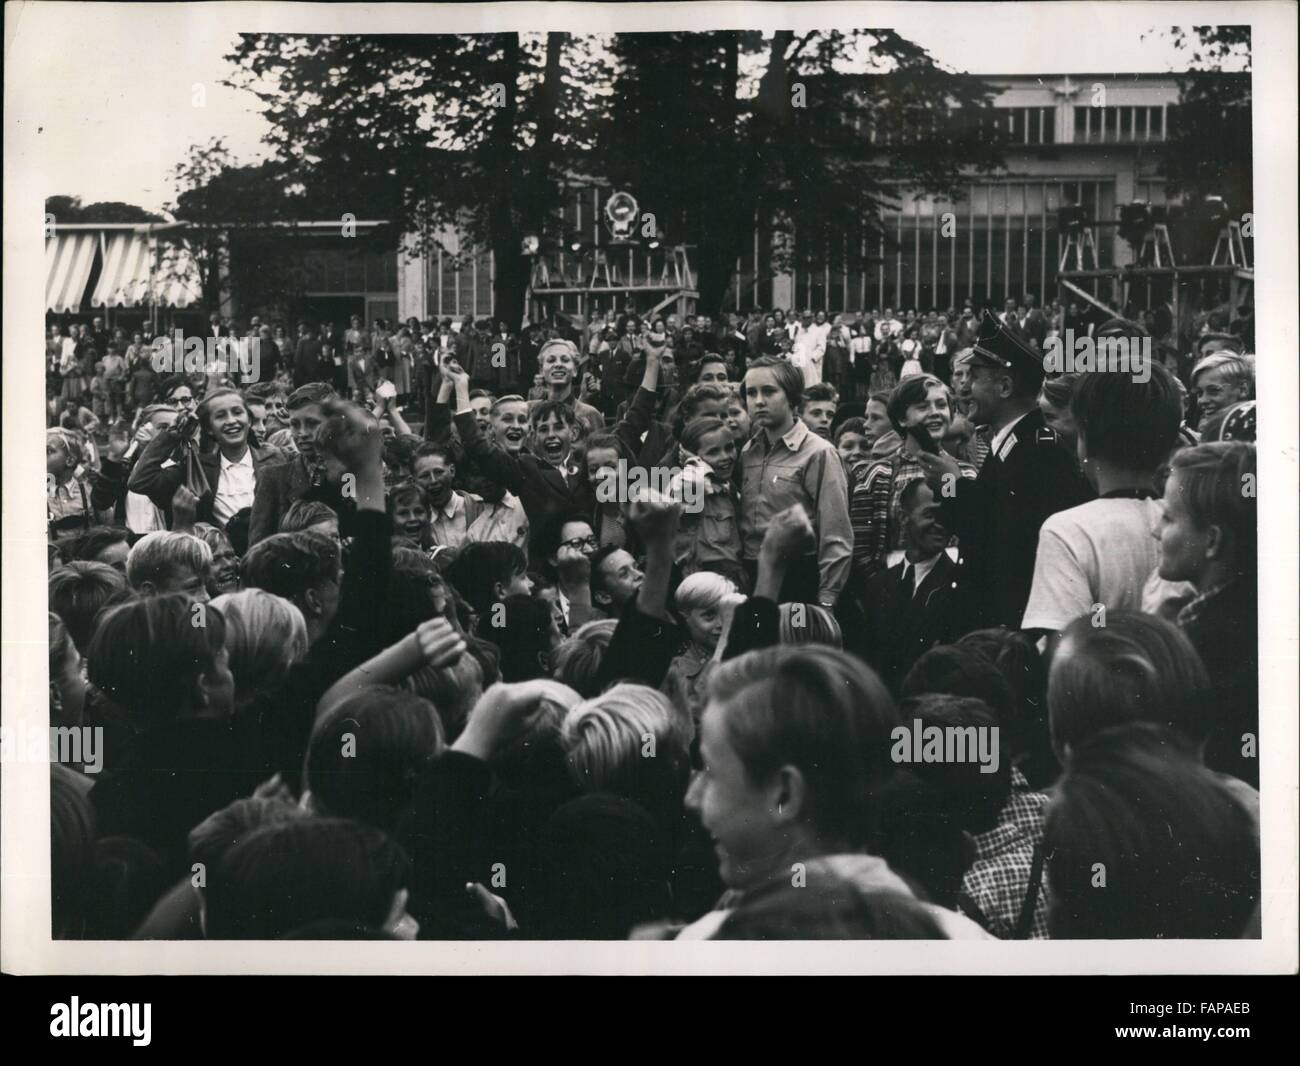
(493, 460)
(646, 638)
(352, 444)
(640, 412)
(150, 477)
(434, 643)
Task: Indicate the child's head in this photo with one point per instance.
(604, 452)
(699, 600)
(510, 423)
(809, 623)
(265, 635)
(366, 754)
(578, 659)
(710, 439)
(819, 403)
(300, 872)
(1136, 667)
(525, 630)
(310, 515)
(852, 441)
(631, 741)
(149, 658)
(876, 416)
(167, 561)
(554, 430)
(60, 455)
(486, 572)
(304, 568)
(408, 505)
(1130, 424)
(701, 401)
(795, 747)
(1179, 851)
(1208, 532)
(416, 593)
(79, 592)
(434, 472)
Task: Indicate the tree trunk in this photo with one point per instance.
(523, 194)
(723, 229)
(503, 230)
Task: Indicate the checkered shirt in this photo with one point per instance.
(996, 883)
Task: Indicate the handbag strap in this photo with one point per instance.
(1025, 920)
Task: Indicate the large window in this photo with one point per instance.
(1000, 242)
(460, 283)
(1028, 125)
(1119, 125)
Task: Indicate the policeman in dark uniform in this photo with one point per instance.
(1027, 476)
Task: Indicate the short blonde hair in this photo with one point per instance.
(703, 589)
(606, 739)
(809, 623)
(579, 657)
(159, 555)
(1237, 369)
(265, 635)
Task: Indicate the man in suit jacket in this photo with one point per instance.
(215, 328)
(307, 364)
(1027, 477)
(279, 487)
(909, 607)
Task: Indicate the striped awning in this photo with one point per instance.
(124, 279)
(133, 262)
(68, 260)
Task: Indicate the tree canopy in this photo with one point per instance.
(710, 131)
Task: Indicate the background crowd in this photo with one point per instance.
(605, 629)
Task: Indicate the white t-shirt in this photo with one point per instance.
(1100, 552)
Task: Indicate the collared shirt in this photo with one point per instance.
(1000, 437)
(998, 879)
(142, 515)
(1192, 610)
(235, 487)
(799, 467)
(502, 521)
(70, 501)
(450, 524)
(921, 570)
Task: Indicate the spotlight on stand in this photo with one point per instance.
(575, 247)
(1202, 220)
(1134, 221)
(1070, 220)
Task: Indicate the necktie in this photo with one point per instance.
(909, 580)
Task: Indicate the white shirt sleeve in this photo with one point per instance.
(1061, 591)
